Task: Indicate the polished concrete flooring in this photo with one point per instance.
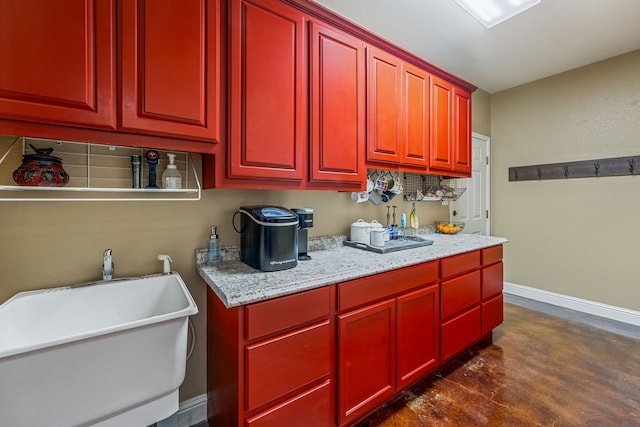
(542, 369)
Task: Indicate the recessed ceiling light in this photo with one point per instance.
(493, 12)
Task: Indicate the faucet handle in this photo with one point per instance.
(107, 265)
(166, 267)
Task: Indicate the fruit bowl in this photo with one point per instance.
(447, 227)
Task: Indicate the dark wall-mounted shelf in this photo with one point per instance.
(617, 166)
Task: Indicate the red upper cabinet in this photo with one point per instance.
(268, 99)
(450, 128)
(57, 62)
(441, 132)
(169, 60)
(337, 118)
(398, 111)
(384, 107)
(462, 130)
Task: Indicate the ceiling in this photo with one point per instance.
(552, 37)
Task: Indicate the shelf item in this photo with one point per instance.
(429, 188)
(97, 173)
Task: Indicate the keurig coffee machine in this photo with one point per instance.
(305, 221)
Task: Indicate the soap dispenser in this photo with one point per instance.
(213, 247)
(171, 178)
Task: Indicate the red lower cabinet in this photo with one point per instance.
(366, 359)
(492, 314)
(311, 409)
(460, 332)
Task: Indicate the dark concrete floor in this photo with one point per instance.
(540, 370)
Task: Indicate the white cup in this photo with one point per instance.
(359, 196)
(377, 236)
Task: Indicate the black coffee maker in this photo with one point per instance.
(305, 221)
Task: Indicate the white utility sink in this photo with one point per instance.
(108, 354)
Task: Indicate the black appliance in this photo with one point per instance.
(268, 237)
(305, 220)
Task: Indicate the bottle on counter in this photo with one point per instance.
(213, 247)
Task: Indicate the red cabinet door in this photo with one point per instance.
(460, 332)
(492, 314)
(415, 116)
(268, 103)
(384, 143)
(460, 294)
(169, 60)
(440, 154)
(462, 131)
(418, 334)
(366, 359)
(57, 62)
(337, 107)
(492, 281)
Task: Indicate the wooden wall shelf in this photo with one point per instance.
(615, 166)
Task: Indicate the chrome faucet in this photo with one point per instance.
(107, 266)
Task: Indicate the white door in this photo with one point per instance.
(472, 207)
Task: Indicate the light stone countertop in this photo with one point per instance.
(237, 284)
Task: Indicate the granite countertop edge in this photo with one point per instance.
(237, 284)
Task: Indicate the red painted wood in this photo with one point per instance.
(384, 107)
(415, 115)
(460, 332)
(281, 313)
(313, 406)
(492, 281)
(418, 335)
(268, 102)
(337, 106)
(491, 255)
(366, 359)
(169, 59)
(286, 363)
(384, 285)
(440, 153)
(460, 294)
(58, 62)
(462, 131)
(492, 314)
(458, 264)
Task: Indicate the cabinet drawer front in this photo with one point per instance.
(458, 264)
(492, 314)
(283, 364)
(378, 286)
(491, 255)
(278, 314)
(492, 281)
(314, 407)
(460, 294)
(459, 333)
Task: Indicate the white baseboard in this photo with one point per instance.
(192, 411)
(585, 306)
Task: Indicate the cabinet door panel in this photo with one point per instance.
(286, 363)
(313, 406)
(491, 255)
(492, 314)
(337, 106)
(460, 293)
(366, 359)
(170, 79)
(460, 332)
(268, 87)
(58, 62)
(457, 264)
(384, 107)
(416, 86)
(492, 281)
(440, 154)
(462, 131)
(418, 334)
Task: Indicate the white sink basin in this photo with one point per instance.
(107, 354)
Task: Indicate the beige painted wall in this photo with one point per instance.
(49, 244)
(481, 112)
(577, 237)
